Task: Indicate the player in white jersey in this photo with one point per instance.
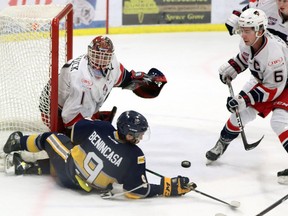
(266, 56)
(85, 83)
(276, 12)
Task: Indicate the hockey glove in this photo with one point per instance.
(137, 79)
(229, 70)
(154, 82)
(241, 101)
(105, 115)
(232, 22)
(153, 75)
(176, 186)
(137, 75)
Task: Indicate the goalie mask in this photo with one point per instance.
(132, 123)
(100, 52)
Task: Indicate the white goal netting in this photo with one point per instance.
(26, 65)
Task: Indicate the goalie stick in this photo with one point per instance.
(232, 204)
(113, 112)
(247, 146)
(273, 205)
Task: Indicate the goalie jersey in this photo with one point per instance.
(81, 93)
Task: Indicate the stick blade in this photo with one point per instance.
(209, 162)
(235, 204)
(252, 145)
(107, 195)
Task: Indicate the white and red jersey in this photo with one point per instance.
(269, 69)
(275, 21)
(82, 90)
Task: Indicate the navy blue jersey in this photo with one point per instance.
(101, 159)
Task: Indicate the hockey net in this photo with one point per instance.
(35, 42)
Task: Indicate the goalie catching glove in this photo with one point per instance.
(176, 186)
(147, 85)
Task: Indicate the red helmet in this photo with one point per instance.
(100, 52)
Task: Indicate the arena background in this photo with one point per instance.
(138, 16)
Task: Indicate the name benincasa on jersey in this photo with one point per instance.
(105, 150)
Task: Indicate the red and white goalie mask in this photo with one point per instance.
(100, 52)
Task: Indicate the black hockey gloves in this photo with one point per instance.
(176, 186)
(241, 101)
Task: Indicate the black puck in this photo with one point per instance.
(186, 164)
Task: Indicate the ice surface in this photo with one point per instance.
(185, 122)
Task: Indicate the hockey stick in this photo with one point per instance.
(273, 206)
(247, 146)
(113, 112)
(233, 204)
(154, 173)
(110, 195)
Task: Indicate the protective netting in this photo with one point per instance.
(25, 65)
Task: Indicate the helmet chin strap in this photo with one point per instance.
(257, 37)
(107, 70)
(102, 71)
(135, 141)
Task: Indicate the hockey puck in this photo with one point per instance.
(186, 164)
(235, 204)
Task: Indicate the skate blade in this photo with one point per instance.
(209, 162)
(2, 159)
(283, 180)
(9, 167)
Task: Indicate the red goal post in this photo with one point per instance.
(55, 67)
(35, 42)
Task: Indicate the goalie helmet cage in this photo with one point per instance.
(35, 42)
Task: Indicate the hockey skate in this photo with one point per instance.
(13, 142)
(214, 153)
(283, 177)
(14, 164)
(2, 158)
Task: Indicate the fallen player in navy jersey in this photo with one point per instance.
(96, 156)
